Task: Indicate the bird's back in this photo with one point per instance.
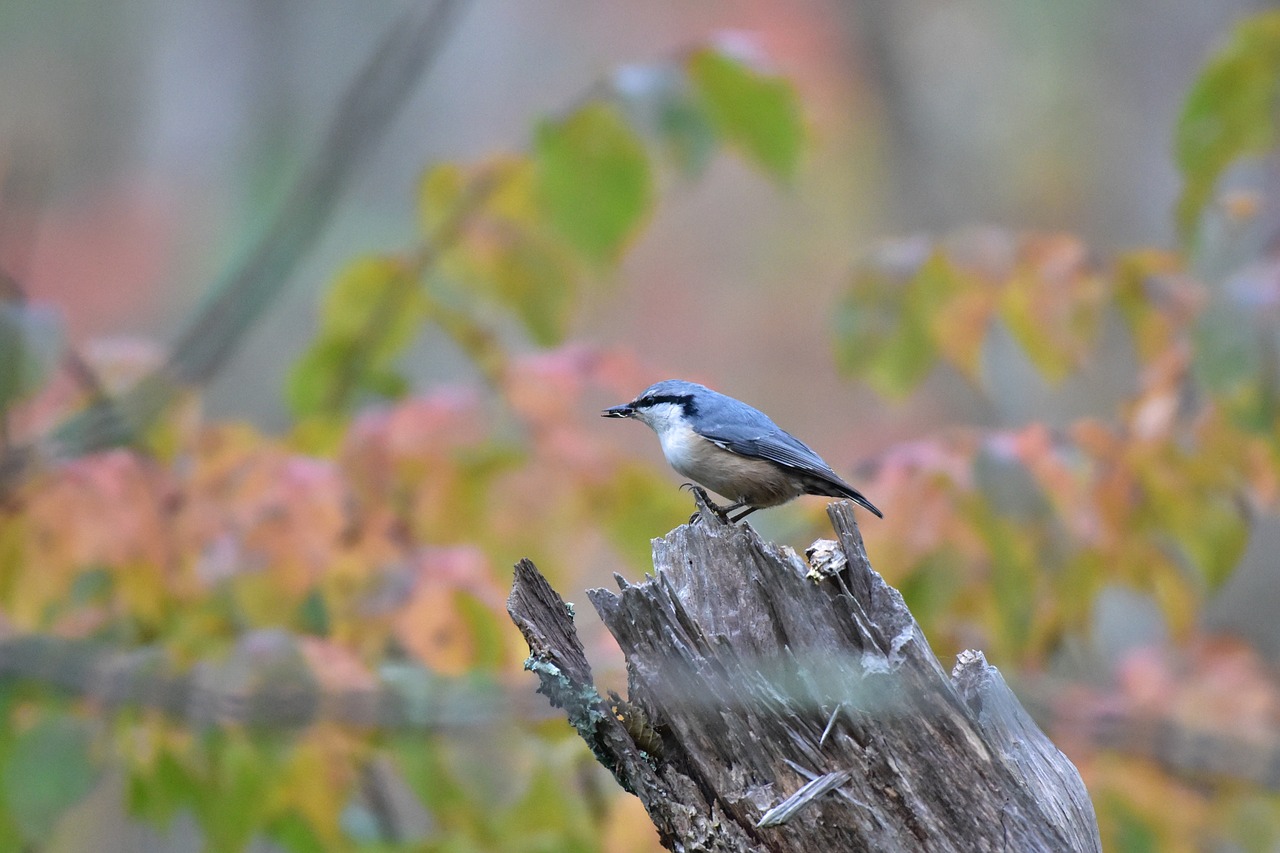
(744, 432)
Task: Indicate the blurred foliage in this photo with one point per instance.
(517, 237)
(592, 179)
(1229, 113)
(1159, 496)
(371, 541)
(756, 112)
(372, 537)
(30, 345)
(1004, 538)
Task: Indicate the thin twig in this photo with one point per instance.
(373, 99)
(240, 297)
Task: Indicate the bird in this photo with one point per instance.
(733, 449)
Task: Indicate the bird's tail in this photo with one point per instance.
(858, 498)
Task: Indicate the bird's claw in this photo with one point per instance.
(706, 507)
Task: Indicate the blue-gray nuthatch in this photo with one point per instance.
(733, 449)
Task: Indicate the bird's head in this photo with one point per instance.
(664, 405)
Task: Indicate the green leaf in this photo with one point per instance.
(162, 792)
(1214, 540)
(370, 314)
(486, 631)
(593, 179)
(293, 832)
(757, 112)
(31, 341)
(375, 302)
(883, 325)
(1130, 831)
(313, 614)
(549, 817)
(931, 587)
(659, 101)
(48, 771)
(1015, 571)
(385, 383)
(1147, 283)
(417, 758)
(312, 386)
(232, 807)
(1229, 112)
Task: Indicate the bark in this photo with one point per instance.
(800, 713)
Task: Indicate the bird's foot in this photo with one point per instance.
(707, 508)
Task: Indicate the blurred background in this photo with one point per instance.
(162, 135)
(147, 146)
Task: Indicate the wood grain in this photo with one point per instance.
(761, 682)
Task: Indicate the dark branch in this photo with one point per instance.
(239, 298)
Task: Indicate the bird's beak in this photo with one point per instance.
(623, 411)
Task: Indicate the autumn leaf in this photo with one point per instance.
(756, 111)
(592, 176)
(1052, 304)
(1230, 112)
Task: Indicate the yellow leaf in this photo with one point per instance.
(143, 589)
(1053, 303)
(439, 194)
(1156, 299)
(373, 297)
(315, 782)
(1179, 601)
(960, 327)
(514, 195)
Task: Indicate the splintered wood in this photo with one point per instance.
(801, 713)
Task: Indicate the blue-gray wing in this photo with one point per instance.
(772, 443)
(749, 432)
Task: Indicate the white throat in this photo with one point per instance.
(680, 444)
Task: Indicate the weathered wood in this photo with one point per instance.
(761, 682)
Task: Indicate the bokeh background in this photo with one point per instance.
(164, 133)
(145, 145)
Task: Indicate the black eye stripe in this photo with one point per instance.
(685, 401)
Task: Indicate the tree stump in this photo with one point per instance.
(775, 706)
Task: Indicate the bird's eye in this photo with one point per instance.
(644, 401)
